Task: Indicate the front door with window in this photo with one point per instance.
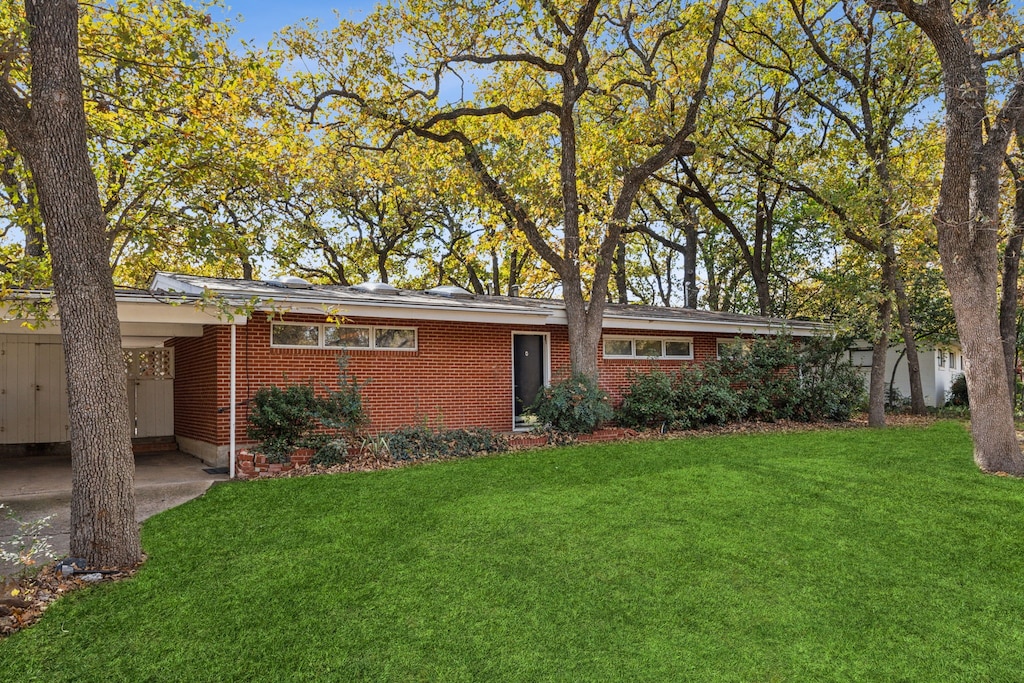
(527, 371)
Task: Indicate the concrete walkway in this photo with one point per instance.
(37, 486)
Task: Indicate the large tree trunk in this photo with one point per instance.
(1008, 298)
(967, 221)
(52, 137)
(879, 351)
(583, 320)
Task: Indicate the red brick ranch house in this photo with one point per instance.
(198, 348)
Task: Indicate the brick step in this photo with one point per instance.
(154, 444)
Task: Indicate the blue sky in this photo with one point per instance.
(261, 18)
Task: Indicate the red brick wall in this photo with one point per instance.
(195, 384)
(460, 375)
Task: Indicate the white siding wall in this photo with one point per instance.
(935, 381)
(153, 407)
(17, 391)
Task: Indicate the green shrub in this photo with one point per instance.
(423, 442)
(766, 378)
(769, 379)
(342, 409)
(330, 450)
(830, 388)
(281, 419)
(957, 395)
(704, 395)
(648, 401)
(576, 405)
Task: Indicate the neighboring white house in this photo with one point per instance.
(939, 367)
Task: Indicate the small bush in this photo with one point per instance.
(342, 409)
(830, 388)
(576, 405)
(957, 395)
(283, 420)
(28, 545)
(330, 450)
(280, 419)
(649, 400)
(704, 395)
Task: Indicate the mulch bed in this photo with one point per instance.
(23, 600)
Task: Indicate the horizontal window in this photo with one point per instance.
(327, 336)
(394, 338)
(295, 335)
(648, 347)
(347, 337)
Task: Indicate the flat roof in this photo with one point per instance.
(423, 305)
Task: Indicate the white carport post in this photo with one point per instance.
(231, 412)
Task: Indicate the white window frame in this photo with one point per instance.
(633, 339)
(942, 358)
(322, 338)
(373, 338)
(369, 332)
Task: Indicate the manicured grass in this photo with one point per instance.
(830, 556)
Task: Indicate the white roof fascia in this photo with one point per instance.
(158, 311)
(128, 329)
(406, 312)
(371, 309)
(725, 327)
(552, 314)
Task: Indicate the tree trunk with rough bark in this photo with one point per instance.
(1008, 297)
(917, 404)
(621, 284)
(1008, 301)
(967, 221)
(879, 351)
(690, 227)
(51, 136)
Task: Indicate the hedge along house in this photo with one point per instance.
(442, 356)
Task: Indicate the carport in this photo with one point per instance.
(35, 464)
(33, 394)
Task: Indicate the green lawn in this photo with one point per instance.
(831, 556)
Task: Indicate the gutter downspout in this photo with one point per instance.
(231, 421)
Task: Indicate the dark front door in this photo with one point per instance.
(527, 369)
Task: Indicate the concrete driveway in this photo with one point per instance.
(36, 486)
